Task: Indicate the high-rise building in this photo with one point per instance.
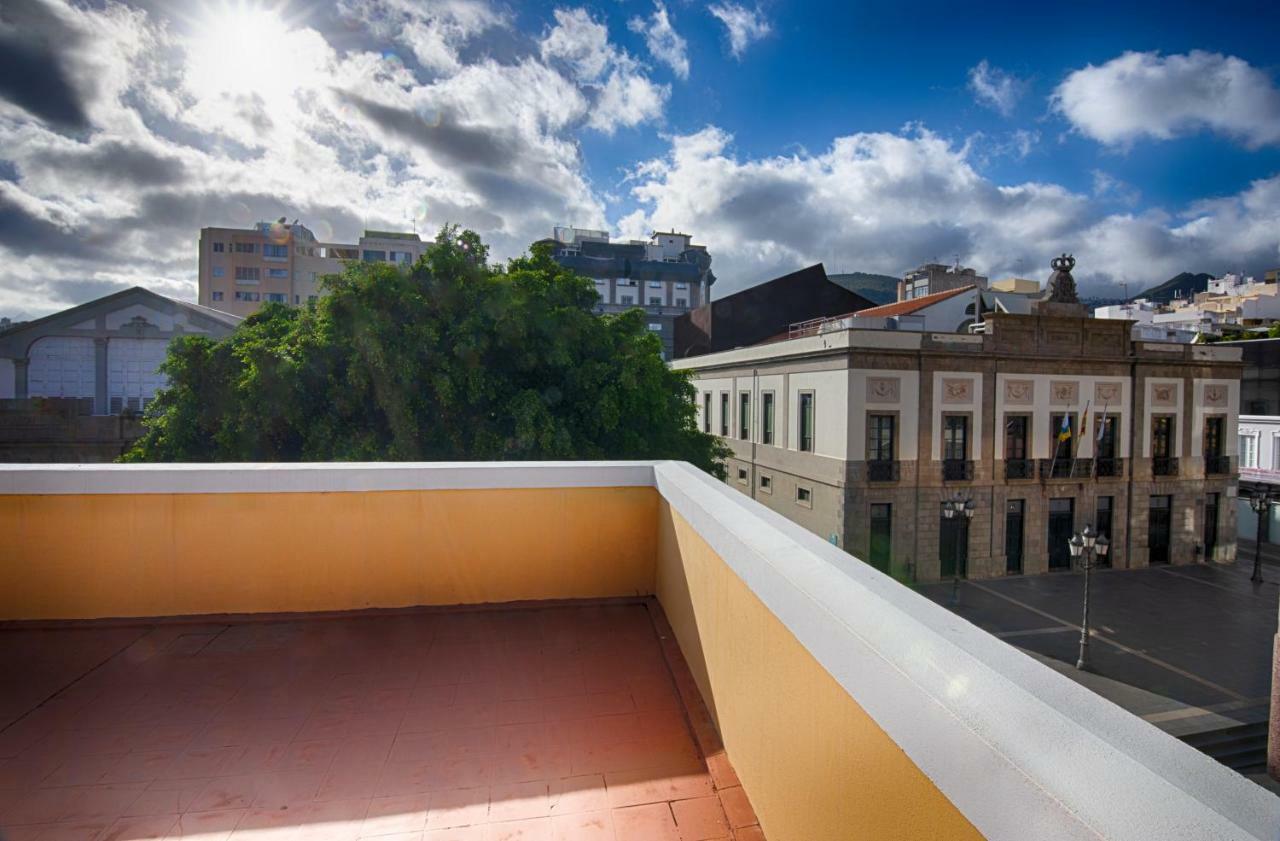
(932, 278)
(243, 268)
(666, 275)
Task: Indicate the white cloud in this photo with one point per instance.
(995, 88)
(887, 202)
(581, 42)
(664, 43)
(745, 26)
(1146, 95)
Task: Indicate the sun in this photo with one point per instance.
(240, 48)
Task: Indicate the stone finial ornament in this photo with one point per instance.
(1062, 286)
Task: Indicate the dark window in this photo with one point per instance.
(806, 421)
(1210, 525)
(706, 411)
(217, 246)
(1162, 436)
(275, 251)
(804, 496)
(1213, 436)
(1015, 437)
(744, 415)
(953, 546)
(247, 273)
(742, 475)
(1106, 437)
(245, 247)
(955, 438)
(880, 547)
(766, 483)
(766, 417)
(1158, 530)
(1061, 526)
(1103, 527)
(1063, 427)
(1014, 513)
(880, 433)
(724, 414)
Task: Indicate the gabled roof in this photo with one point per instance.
(913, 305)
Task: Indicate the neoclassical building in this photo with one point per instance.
(1042, 424)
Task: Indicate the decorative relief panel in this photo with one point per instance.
(1106, 394)
(957, 391)
(1164, 394)
(1061, 391)
(1019, 392)
(1215, 395)
(883, 389)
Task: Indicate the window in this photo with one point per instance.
(655, 284)
(744, 415)
(219, 271)
(742, 475)
(880, 435)
(1062, 428)
(766, 483)
(278, 273)
(627, 300)
(1159, 529)
(806, 421)
(624, 281)
(706, 411)
(246, 248)
(297, 299)
(1213, 436)
(1015, 437)
(655, 301)
(275, 252)
(682, 302)
(880, 547)
(1162, 436)
(1248, 450)
(311, 299)
(766, 417)
(247, 273)
(682, 286)
(955, 437)
(246, 296)
(804, 496)
(655, 328)
(399, 256)
(275, 297)
(371, 255)
(218, 247)
(217, 296)
(724, 414)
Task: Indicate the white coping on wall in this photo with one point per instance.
(318, 477)
(803, 346)
(1022, 751)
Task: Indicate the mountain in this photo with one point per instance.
(876, 288)
(1185, 286)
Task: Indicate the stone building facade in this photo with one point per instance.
(860, 435)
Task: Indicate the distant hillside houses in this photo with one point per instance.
(1200, 307)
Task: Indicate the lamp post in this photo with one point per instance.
(1086, 546)
(962, 507)
(1260, 502)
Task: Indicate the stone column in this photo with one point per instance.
(20, 378)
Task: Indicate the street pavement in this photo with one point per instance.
(1186, 647)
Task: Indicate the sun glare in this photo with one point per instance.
(239, 48)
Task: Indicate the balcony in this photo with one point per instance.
(1112, 468)
(1019, 468)
(882, 470)
(1217, 465)
(347, 651)
(957, 470)
(1164, 466)
(1066, 468)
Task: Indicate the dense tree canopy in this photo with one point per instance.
(449, 359)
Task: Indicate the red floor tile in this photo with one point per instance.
(652, 822)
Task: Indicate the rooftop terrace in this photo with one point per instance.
(641, 652)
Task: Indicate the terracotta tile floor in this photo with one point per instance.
(548, 723)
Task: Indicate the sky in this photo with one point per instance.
(872, 136)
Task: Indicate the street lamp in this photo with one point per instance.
(1260, 501)
(957, 506)
(1087, 545)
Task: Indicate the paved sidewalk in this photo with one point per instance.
(1188, 648)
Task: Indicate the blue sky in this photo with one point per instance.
(873, 136)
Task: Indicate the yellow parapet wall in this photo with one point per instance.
(85, 556)
(816, 765)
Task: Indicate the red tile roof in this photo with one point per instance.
(906, 307)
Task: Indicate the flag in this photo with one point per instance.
(1064, 434)
(1102, 425)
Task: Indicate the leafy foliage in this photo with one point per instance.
(448, 360)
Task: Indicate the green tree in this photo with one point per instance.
(448, 360)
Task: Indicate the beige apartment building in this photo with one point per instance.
(243, 268)
(860, 435)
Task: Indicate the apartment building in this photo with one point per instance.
(243, 268)
(666, 275)
(932, 278)
(862, 435)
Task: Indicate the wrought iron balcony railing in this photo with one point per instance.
(1164, 466)
(1109, 467)
(957, 470)
(1217, 465)
(882, 470)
